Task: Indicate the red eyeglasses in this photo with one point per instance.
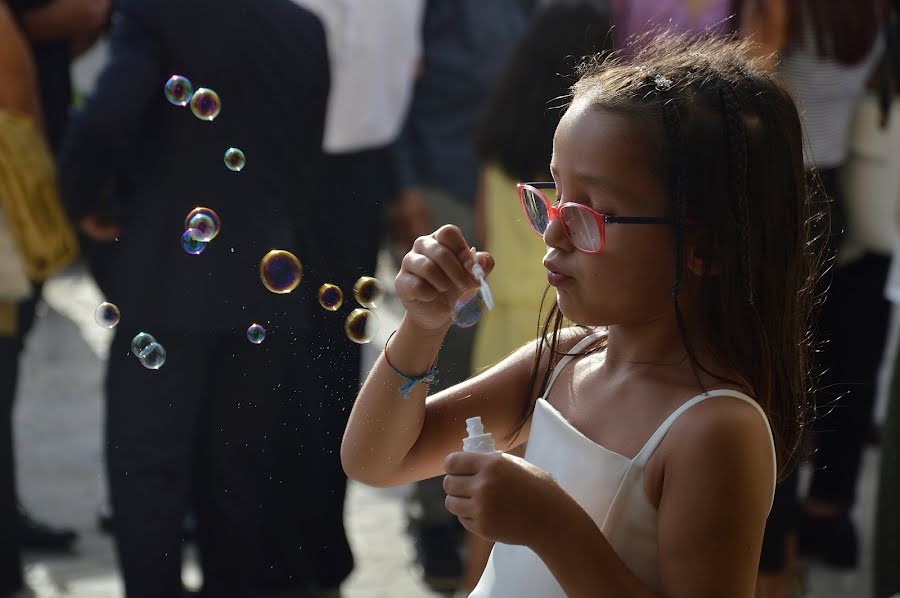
(584, 226)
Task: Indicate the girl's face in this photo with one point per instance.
(601, 160)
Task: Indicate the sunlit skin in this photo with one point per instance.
(712, 477)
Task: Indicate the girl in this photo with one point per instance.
(676, 233)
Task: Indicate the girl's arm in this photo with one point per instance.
(18, 82)
(391, 441)
(717, 490)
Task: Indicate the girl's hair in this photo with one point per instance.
(727, 138)
(516, 129)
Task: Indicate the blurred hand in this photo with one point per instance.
(99, 229)
(408, 219)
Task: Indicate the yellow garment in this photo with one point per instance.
(519, 278)
(30, 200)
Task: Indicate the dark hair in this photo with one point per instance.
(729, 144)
(516, 129)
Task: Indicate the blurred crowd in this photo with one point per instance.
(366, 124)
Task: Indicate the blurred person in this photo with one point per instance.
(18, 95)
(374, 49)
(56, 30)
(827, 52)
(514, 141)
(635, 18)
(197, 433)
(466, 44)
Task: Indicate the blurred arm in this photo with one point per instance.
(66, 20)
(18, 83)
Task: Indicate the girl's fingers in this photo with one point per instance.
(461, 507)
(422, 266)
(457, 485)
(413, 288)
(447, 257)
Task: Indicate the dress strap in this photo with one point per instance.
(643, 456)
(570, 355)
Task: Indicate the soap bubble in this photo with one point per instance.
(368, 291)
(191, 242)
(468, 308)
(360, 326)
(205, 104)
(191, 221)
(256, 333)
(179, 90)
(331, 297)
(140, 342)
(107, 315)
(234, 159)
(204, 226)
(280, 271)
(153, 356)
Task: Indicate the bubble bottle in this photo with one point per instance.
(477, 440)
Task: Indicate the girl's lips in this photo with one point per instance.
(556, 279)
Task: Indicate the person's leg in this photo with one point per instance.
(241, 402)
(10, 557)
(886, 575)
(151, 417)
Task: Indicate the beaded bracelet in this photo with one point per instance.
(428, 378)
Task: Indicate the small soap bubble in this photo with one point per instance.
(360, 326)
(204, 226)
(280, 271)
(179, 90)
(205, 104)
(468, 308)
(190, 220)
(140, 342)
(153, 356)
(107, 315)
(234, 159)
(331, 297)
(191, 243)
(256, 334)
(368, 291)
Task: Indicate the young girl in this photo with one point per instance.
(677, 245)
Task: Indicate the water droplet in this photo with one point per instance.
(468, 308)
(280, 271)
(331, 297)
(368, 291)
(107, 315)
(179, 90)
(205, 104)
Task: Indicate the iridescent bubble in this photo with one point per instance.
(234, 159)
(107, 315)
(205, 104)
(360, 326)
(331, 297)
(191, 243)
(217, 224)
(368, 291)
(205, 227)
(179, 90)
(140, 342)
(256, 334)
(280, 271)
(468, 308)
(153, 356)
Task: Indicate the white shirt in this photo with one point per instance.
(374, 47)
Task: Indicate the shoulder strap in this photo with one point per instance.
(570, 355)
(648, 449)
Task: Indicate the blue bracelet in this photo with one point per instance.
(428, 378)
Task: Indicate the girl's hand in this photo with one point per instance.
(502, 498)
(434, 274)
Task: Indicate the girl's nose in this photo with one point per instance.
(555, 235)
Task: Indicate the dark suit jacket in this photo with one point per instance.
(268, 62)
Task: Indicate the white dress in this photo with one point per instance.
(607, 485)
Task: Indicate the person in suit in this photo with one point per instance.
(196, 433)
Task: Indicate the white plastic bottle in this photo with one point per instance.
(477, 441)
